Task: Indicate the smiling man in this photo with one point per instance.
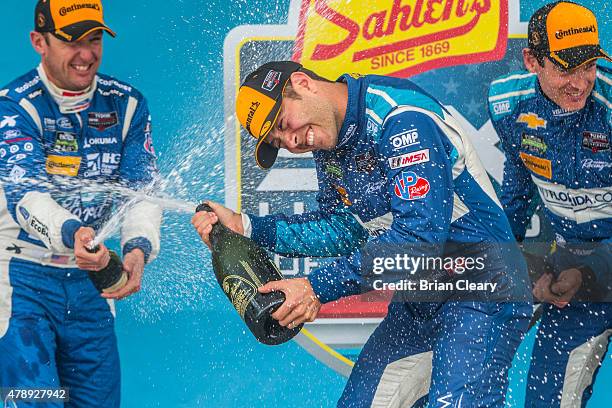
(66, 133)
(555, 124)
(395, 172)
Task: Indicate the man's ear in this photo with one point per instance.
(38, 42)
(302, 82)
(530, 61)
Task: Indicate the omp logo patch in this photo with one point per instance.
(404, 139)
(63, 165)
(542, 167)
(501, 107)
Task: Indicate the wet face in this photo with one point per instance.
(567, 88)
(307, 121)
(70, 65)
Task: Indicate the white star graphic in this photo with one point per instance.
(451, 86)
(472, 69)
(474, 107)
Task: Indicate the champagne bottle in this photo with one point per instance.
(110, 278)
(241, 267)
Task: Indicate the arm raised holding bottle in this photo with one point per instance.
(301, 304)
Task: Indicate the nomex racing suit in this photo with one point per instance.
(55, 329)
(566, 158)
(403, 172)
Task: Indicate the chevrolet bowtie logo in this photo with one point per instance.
(532, 120)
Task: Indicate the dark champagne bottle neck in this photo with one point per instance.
(219, 231)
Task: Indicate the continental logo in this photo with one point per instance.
(249, 119)
(399, 37)
(65, 10)
(559, 35)
(63, 165)
(542, 167)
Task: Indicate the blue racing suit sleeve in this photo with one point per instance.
(518, 190)
(421, 201)
(25, 182)
(138, 170)
(599, 263)
(331, 231)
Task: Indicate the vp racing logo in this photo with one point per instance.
(409, 186)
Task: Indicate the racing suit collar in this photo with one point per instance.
(68, 101)
(351, 119)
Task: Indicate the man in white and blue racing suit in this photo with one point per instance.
(394, 168)
(65, 134)
(555, 124)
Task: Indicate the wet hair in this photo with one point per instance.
(539, 56)
(289, 92)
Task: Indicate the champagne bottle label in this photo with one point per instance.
(241, 267)
(240, 292)
(252, 274)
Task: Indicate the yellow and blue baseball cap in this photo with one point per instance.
(258, 104)
(566, 33)
(69, 20)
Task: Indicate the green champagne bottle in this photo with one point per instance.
(241, 267)
(110, 278)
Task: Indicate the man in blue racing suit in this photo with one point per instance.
(555, 124)
(392, 164)
(65, 134)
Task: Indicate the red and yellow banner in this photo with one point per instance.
(399, 37)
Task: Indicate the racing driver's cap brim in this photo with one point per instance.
(571, 58)
(78, 31)
(258, 104)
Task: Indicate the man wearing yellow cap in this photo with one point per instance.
(555, 124)
(397, 179)
(67, 132)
